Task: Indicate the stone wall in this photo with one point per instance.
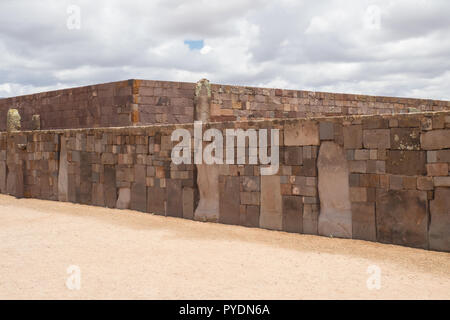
(142, 102)
(377, 178)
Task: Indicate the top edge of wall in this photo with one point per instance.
(129, 82)
(350, 118)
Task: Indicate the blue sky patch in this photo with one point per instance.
(194, 44)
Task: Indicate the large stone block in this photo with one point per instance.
(63, 178)
(2, 176)
(156, 200)
(138, 197)
(363, 221)
(292, 214)
(405, 138)
(208, 186)
(271, 214)
(229, 202)
(377, 139)
(310, 223)
(174, 198)
(435, 140)
(353, 137)
(439, 232)
(110, 190)
(304, 133)
(335, 217)
(402, 217)
(408, 163)
(188, 203)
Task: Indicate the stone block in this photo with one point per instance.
(250, 183)
(363, 221)
(139, 196)
(335, 217)
(156, 200)
(439, 233)
(353, 137)
(123, 201)
(109, 188)
(292, 214)
(402, 217)
(405, 138)
(435, 139)
(251, 218)
(293, 156)
(377, 139)
(250, 198)
(2, 176)
(437, 169)
(326, 130)
(425, 183)
(229, 201)
(302, 133)
(174, 198)
(362, 154)
(441, 181)
(409, 163)
(188, 203)
(271, 215)
(310, 219)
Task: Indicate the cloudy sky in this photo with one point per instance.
(395, 48)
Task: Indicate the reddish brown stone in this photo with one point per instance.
(292, 214)
(229, 201)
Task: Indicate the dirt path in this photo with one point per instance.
(126, 254)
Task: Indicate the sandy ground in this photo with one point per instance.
(126, 254)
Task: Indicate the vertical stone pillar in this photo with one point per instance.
(207, 175)
(13, 120)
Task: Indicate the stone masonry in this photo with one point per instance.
(381, 178)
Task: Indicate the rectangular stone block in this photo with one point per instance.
(439, 233)
(326, 130)
(363, 221)
(435, 139)
(139, 197)
(250, 198)
(405, 138)
(271, 216)
(292, 214)
(402, 217)
(377, 139)
(156, 200)
(425, 183)
(293, 156)
(188, 203)
(230, 201)
(2, 176)
(251, 219)
(441, 181)
(174, 198)
(310, 219)
(353, 137)
(302, 133)
(408, 163)
(110, 190)
(437, 169)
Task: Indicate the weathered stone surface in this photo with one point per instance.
(441, 181)
(353, 137)
(2, 176)
(425, 183)
(437, 169)
(408, 163)
(305, 133)
(293, 156)
(251, 183)
(36, 122)
(326, 130)
(84, 190)
(310, 219)
(109, 188)
(439, 233)
(292, 214)
(377, 139)
(188, 203)
(251, 219)
(435, 140)
(98, 195)
(363, 221)
(229, 203)
(402, 217)
(139, 189)
(63, 178)
(208, 187)
(13, 120)
(271, 214)
(156, 200)
(174, 198)
(124, 199)
(405, 138)
(335, 218)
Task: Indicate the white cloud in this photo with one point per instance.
(379, 47)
